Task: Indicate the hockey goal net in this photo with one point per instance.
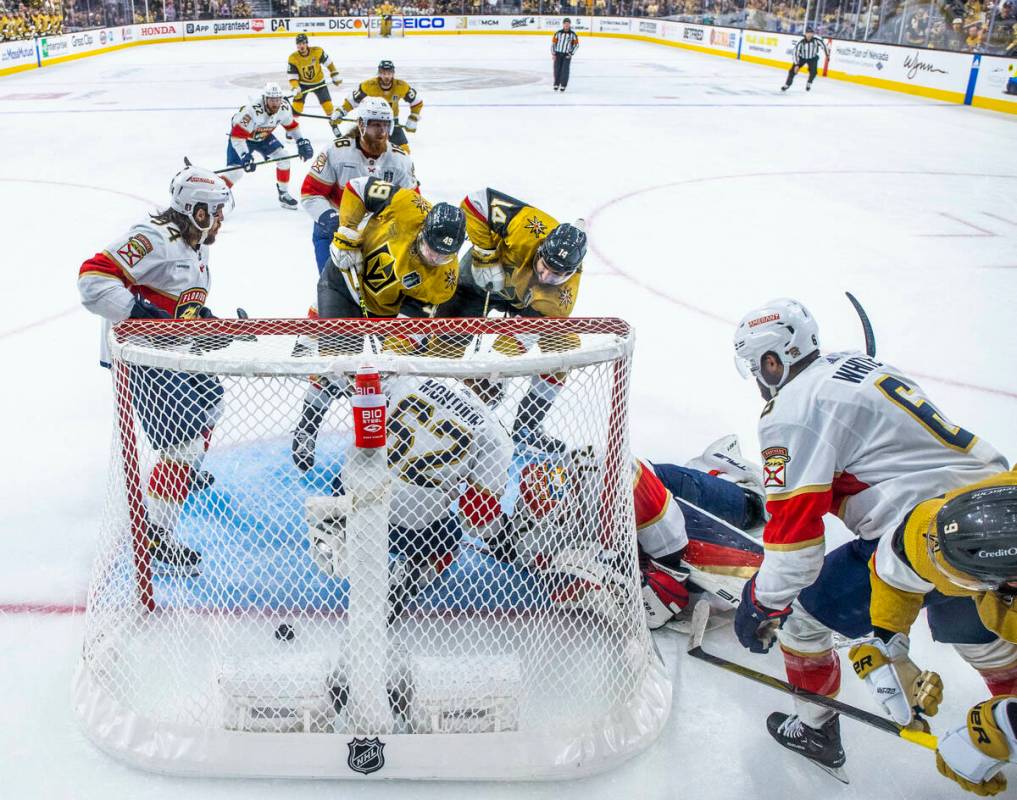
(378, 29)
(460, 601)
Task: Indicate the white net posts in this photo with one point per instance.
(274, 595)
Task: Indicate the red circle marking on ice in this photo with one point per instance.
(655, 290)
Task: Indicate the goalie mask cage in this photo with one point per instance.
(503, 666)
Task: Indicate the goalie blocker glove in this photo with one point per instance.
(663, 590)
(973, 754)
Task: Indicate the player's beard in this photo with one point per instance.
(213, 231)
(374, 146)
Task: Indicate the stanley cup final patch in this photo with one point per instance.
(366, 755)
(775, 461)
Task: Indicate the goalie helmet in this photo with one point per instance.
(783, 327)
(973, 540)
(564, 250)
(375, 108)
(193, 188)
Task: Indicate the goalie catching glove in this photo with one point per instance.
(326, 532)
(894, 680)
(586, 578)
(973, 754)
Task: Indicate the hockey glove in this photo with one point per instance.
(327, 223)
(345, 249)
(488, 273)
(755, 624)
(247, 162)
(143, 309)
(664, 592)
(336, 80)
(410, 124)
(894, 680)
(304, 149)
(973, 754)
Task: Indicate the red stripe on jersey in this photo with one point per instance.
(101, 262)
(844, 486)
(291, 126)
(473, 209)
(479, 506)
(650, 495)
(796, 519)
(157, 299)
(313, 186)
(239, 133)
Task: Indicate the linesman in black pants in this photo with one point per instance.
(806, 52)
(563, 45)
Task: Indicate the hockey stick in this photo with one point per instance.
(187, 163)
(700, 616)
(308, 90)
(870, 336)
(338, 119)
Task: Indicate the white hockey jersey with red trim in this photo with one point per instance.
(857, 438)
(252, 123)
(660, 523)
(343, 161)
(442, 439)
(150, 261)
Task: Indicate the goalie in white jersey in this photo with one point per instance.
(843, 434)
(449, 460)
(365, 152)
(251, 131)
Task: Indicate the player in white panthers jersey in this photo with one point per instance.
(251, 131)
(159, 270)
(364, 152)
(449, 461)
(844, 434)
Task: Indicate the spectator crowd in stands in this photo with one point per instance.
(988, 26)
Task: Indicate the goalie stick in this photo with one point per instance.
(700, 617)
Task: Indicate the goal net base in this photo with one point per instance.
(447, 589)
(180, 749)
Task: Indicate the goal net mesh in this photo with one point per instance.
(462, 603)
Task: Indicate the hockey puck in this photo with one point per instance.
(285, 633)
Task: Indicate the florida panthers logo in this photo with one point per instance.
(542, 487)
(775, 460)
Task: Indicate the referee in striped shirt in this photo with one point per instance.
(563, 45)
(806, 52)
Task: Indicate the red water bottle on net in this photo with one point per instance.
(368, 409)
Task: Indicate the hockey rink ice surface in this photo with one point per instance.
(706, 192)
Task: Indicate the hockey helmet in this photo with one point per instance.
(271, 91)
(783, 327)
(193, 188)
(376, 108)
(301, 39)
(563, 251)
(385, 64)
(973, 540)
(443, 233)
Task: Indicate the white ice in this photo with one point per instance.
(706, 190)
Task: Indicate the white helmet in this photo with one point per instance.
(376, 108)
(783, 327)
(194, 186)
(271, 90)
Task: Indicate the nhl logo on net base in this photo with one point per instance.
(366, 755)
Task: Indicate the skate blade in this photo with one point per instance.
(837, 772)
